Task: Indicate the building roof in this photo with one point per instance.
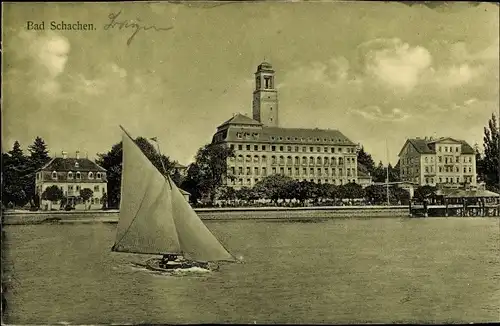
(69, 164)
(473, 193)
(422, 145)
(240, 119)
(277, 135)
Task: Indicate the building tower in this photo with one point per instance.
(265, 96)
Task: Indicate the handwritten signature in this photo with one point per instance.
(135, 25)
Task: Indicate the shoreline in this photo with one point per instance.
(301, 214)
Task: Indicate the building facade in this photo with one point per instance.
(263, 148)
(72, 175)
(438, 162)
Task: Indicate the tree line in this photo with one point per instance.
(18, 173)
(206, 175)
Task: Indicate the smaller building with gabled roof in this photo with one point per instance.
(444, 161)
(72, 175)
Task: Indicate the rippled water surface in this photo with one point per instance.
(337, 271)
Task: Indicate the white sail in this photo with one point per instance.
(196, 240)
(155, 218)
(145, 225)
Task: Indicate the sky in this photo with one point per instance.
(379, 72)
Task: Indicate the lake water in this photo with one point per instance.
(336, 271)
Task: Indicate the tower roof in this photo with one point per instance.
(240, 119)
(265, 66)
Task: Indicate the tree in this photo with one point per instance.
(15, 183)
(104, 201)
(379, 173)
(39, 155)
(211, 168)
(376, 194)
(273, 186)
(351, 190)
(86, 194)
(176, 178)
(191, 182)
(489, 165)
(366, 160)
(53, 194)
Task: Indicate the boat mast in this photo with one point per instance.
(387, 174)
(165, 174)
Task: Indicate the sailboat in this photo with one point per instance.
(156, 219)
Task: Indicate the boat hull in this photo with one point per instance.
(178, 267)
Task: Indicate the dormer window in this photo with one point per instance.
(78, 175)
(91, 175)
(54, 175)
(98, 175)
(70, 175)
(76, 164)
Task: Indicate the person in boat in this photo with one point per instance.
(166, 258)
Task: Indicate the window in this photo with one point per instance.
(325, 149)
(263, 147)
(282, 160)
(248, 147)
(256, 171)
(264, 159)
(311, 149)
(440, 159)
(77, 188)
(304, 149)
(91, 175)
(78, 175)
(470, 169)
(240, 147)
(70, 175)
(281, 148)
(311, 160)
(282, 170)
(54, 175)
(297, 160)
(333, 150)
(304, 160)
(231, 146)
(465, 169)
(255, 147)
(456, 149)
(470, 159)
(248, 158)
(240, 170)
(289, 148)
(264, 171)
(273, 159)
(96, 188)
(318, 161)
(256, 159)
(99, 175)
(426, 160)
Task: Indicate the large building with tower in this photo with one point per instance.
(262, 147)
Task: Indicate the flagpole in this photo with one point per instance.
(165, 174)
(387, 173)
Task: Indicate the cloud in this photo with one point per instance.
(375, 113)
(395, 63)
(46, 55)
(330, 74)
